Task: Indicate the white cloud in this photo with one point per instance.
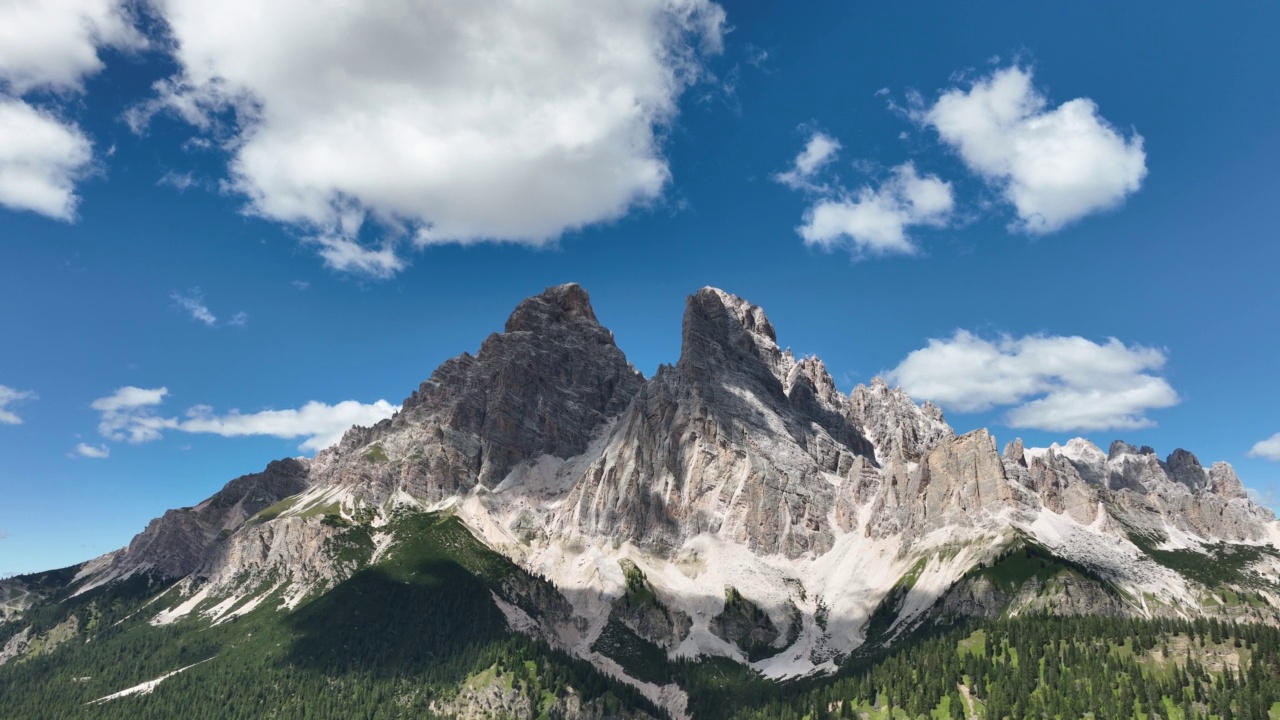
(54, 45)
(1268, 449)
(818, 152)
(97, 452)
(193, 303)
(9, 396)
(1053, 383)
(50, 46)
(127, 414)
(322, 425)
(178, 181)
(346, 255)
(451, 122)
(41, 159)
(1054, 165)
(130, 415)
(875, 220)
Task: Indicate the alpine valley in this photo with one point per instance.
(541, 532)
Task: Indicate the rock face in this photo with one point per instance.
(738, 439)
(744, 624)
(179, 542)
(1148, 495)
(644, 613)
(495, 696)
(739, 466)
(543, 386)
(1063, 595)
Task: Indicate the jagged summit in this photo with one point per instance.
(735, 504)
(555, 305)
(724, 333)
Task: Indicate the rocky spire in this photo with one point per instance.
(897, 427)
(545, 385)
(557, 305)
(724, 333)
(1224, 482)
(1185, 468)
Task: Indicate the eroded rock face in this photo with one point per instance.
(1149, 495)
(1064, 595)
(895, 424)
(179, 542)
(738, 439)
(296, 550)
(1056, 481)
(556, 451)
(496, 696)
(543, 386)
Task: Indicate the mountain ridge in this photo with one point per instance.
(735, 504)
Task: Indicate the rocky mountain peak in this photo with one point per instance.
(1224, 482)
(1015, 452)
(1120, 447)
(544, 386)
(894, 423)
(554, 306)
(722, 333)
(178, 543)
(1185, 468)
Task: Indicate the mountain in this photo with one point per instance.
(540, 531)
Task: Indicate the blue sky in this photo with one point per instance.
(1053, 218)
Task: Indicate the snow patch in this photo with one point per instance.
(144, 688)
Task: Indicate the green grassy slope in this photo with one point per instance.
(399, 639)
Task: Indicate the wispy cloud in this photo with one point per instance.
(178, 181)
(130, 415)
(92, 451)
(820, 150)
(10, 396)
(193, 304)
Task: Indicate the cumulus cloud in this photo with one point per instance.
(54, 45)
(1268, 449)
(1054, 165)
(50, 46)
(875, 220)
(817, 153)
(1049, 382)
(130, 414)
(98, 452)
(9, 396)
(41, 159)
(447, 122)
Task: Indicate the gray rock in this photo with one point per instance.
(179, 542)
(544, 386)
